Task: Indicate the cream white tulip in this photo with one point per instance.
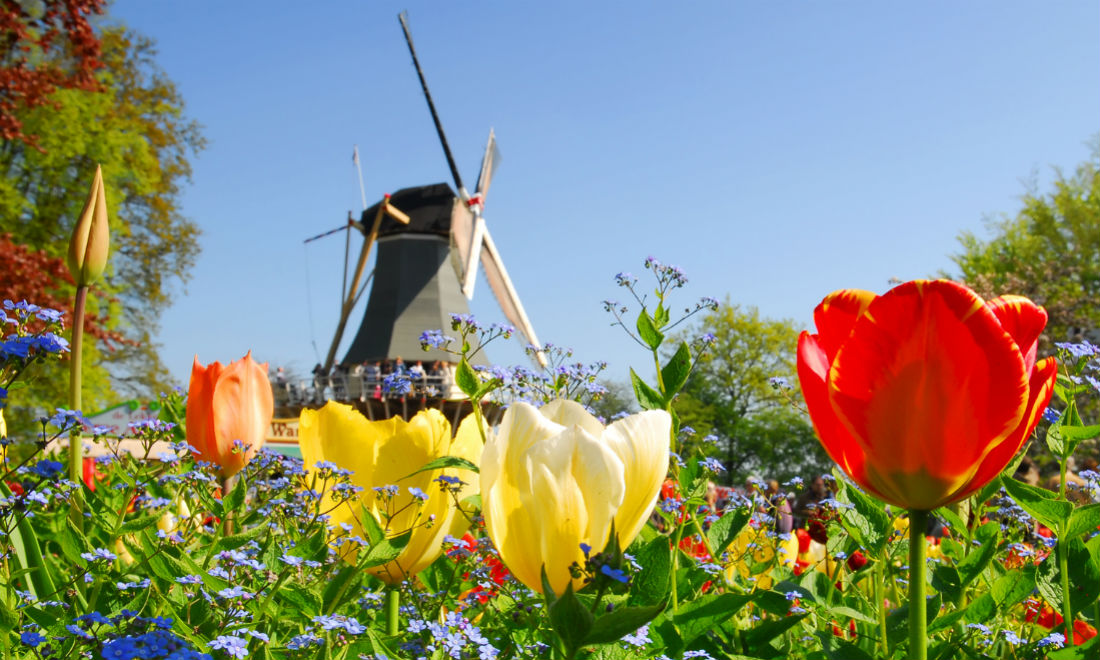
(554, 478)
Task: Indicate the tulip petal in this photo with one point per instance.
(576, 484)
(641, 442)
(504, 475)
(569, 413)
(836, 315)
(1040, 390)
(813, 370)
(200, 417)
(242, 407)
(1022, 319)
(928, 383)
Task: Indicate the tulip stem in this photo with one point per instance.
(393, 603)
(227, 516)
(918, 610)
(76, 448)
(881, 573)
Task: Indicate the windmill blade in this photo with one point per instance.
(403, 17)
(478, 236)
(506, 295)
(489, 165)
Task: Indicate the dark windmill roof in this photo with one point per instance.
(429, 209)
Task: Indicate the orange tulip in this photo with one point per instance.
(227, 404)
(924, 394)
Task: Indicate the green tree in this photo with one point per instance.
(743, 391)
(619, 398)
(1049, 252)
(134, 125)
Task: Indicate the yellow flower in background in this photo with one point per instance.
(754, 551)
(383, 454)
(3, 434)
(553, 478)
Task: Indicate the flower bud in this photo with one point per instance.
(91, 241)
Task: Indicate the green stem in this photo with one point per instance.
(76, 449)
(918, 610)
(393, 602)
(227, 484)
(881, 573)
(1063, 568)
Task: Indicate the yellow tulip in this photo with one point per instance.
(383, 454)
(554, 478)
(91, 239)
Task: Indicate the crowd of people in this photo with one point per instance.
(370, 379)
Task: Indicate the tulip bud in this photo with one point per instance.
(91, 241)
(857, 561)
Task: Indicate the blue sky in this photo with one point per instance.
(775, 151)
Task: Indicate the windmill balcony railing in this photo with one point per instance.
(350, 388)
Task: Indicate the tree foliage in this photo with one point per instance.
(134, 125)
(1049, 251)
(741, 392)
(47, 45)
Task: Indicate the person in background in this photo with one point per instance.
(781, 508)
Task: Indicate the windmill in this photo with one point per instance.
(430, 240)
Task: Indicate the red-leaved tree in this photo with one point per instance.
(44, 46)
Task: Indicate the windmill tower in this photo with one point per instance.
(430, 240)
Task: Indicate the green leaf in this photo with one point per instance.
(696, 617)
(138, 524)
(375, 533)
(648, 398)
(234, 500)
(651, 584)
(28, 554)
(724, 530)
(675, 373)
(1084, 519)
(234, 541)
(341, 586)
(660, 316)
(300, 598)
(953, 521)
(1011, 588)
(445, 462)
(385, 551)
(648, 331)
(571, 620)
(973, 564)
(867, 520)
(763, 633)
(1042, 504)
(466, 378)
(72, 542)
(1084, 574)
(622, 621)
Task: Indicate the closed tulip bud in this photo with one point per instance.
(386, 454)
(91, 240)
(554, 478)
(924, 394)
(226, 406)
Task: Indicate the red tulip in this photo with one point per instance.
(924, 394)
(225, 405)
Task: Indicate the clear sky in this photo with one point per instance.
(776, 151)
